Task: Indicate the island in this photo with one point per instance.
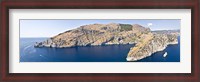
(146, 41)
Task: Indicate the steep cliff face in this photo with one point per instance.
(151, 44)
(147, 42)
(96, 34)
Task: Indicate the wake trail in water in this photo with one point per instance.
(43, 57)
(27, 47)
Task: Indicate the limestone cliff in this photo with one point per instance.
(151, 44)
(147, 42)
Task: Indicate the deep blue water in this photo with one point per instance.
(111, 53)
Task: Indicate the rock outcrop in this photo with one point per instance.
(150, 44)
(146, 41)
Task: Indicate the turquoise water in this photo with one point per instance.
(111, 53)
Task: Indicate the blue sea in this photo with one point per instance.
(109, 53)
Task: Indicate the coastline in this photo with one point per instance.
(67, 53)
(150, 54)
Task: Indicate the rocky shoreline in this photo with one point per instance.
(157, 43)
(147, 42)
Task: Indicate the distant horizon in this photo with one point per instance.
(50, 28)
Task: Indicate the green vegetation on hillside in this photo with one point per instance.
(125, 27)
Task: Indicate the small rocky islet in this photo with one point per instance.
(146, 41)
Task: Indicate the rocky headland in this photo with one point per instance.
(146, 42)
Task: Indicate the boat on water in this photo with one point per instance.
(165, 54)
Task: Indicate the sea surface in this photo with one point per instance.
(110, 53)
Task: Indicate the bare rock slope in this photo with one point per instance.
(151, 44)
(113, 33)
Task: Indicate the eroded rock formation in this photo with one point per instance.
(150, 44)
